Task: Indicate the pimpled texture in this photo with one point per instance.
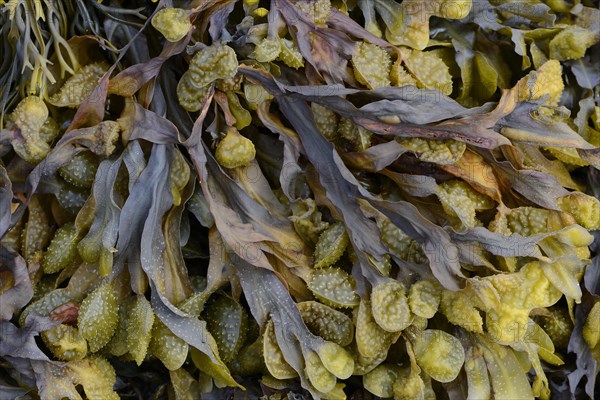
(189, 96)
(327, 322)
(326, 120)
(274, 359)
(558, 325)
(173, 23)
(96, 375)
(336, 359)
(584, 208)
(439, 354)
(299, 198)
(290, 54)
(436, 151)
(37, 232)
(357, 136)
(400, 244)
(323, 380)
(62, 250)
(390, 306)
(80, 170)
(460, 200)
(545, 83)
(381, 380)
(571, 43)
(213, 62)
(227, 321)
(139, 328)
(28, 119)
(527, 221)
(459, 308)
(78, 87)
(45, 304)
(331, 245)
(371, 339)
(316, 10)
(99, 316)
(372, 65)
(362, 364)
(409, 385)
(333, 287)
(179, 177)
(307, 220)
(424, 298)
(267, 50)
(65, 342)
(168, 348)
(235, 150)
(430, 71)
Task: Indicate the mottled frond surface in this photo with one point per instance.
(299, 199)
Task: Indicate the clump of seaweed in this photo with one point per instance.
(291, 198)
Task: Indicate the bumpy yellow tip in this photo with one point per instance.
(584, 208)
(546, 81)
(235, 150)
(455, 9)
(173, 23)
(336, 360)
(372, 65)
(260, 12)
